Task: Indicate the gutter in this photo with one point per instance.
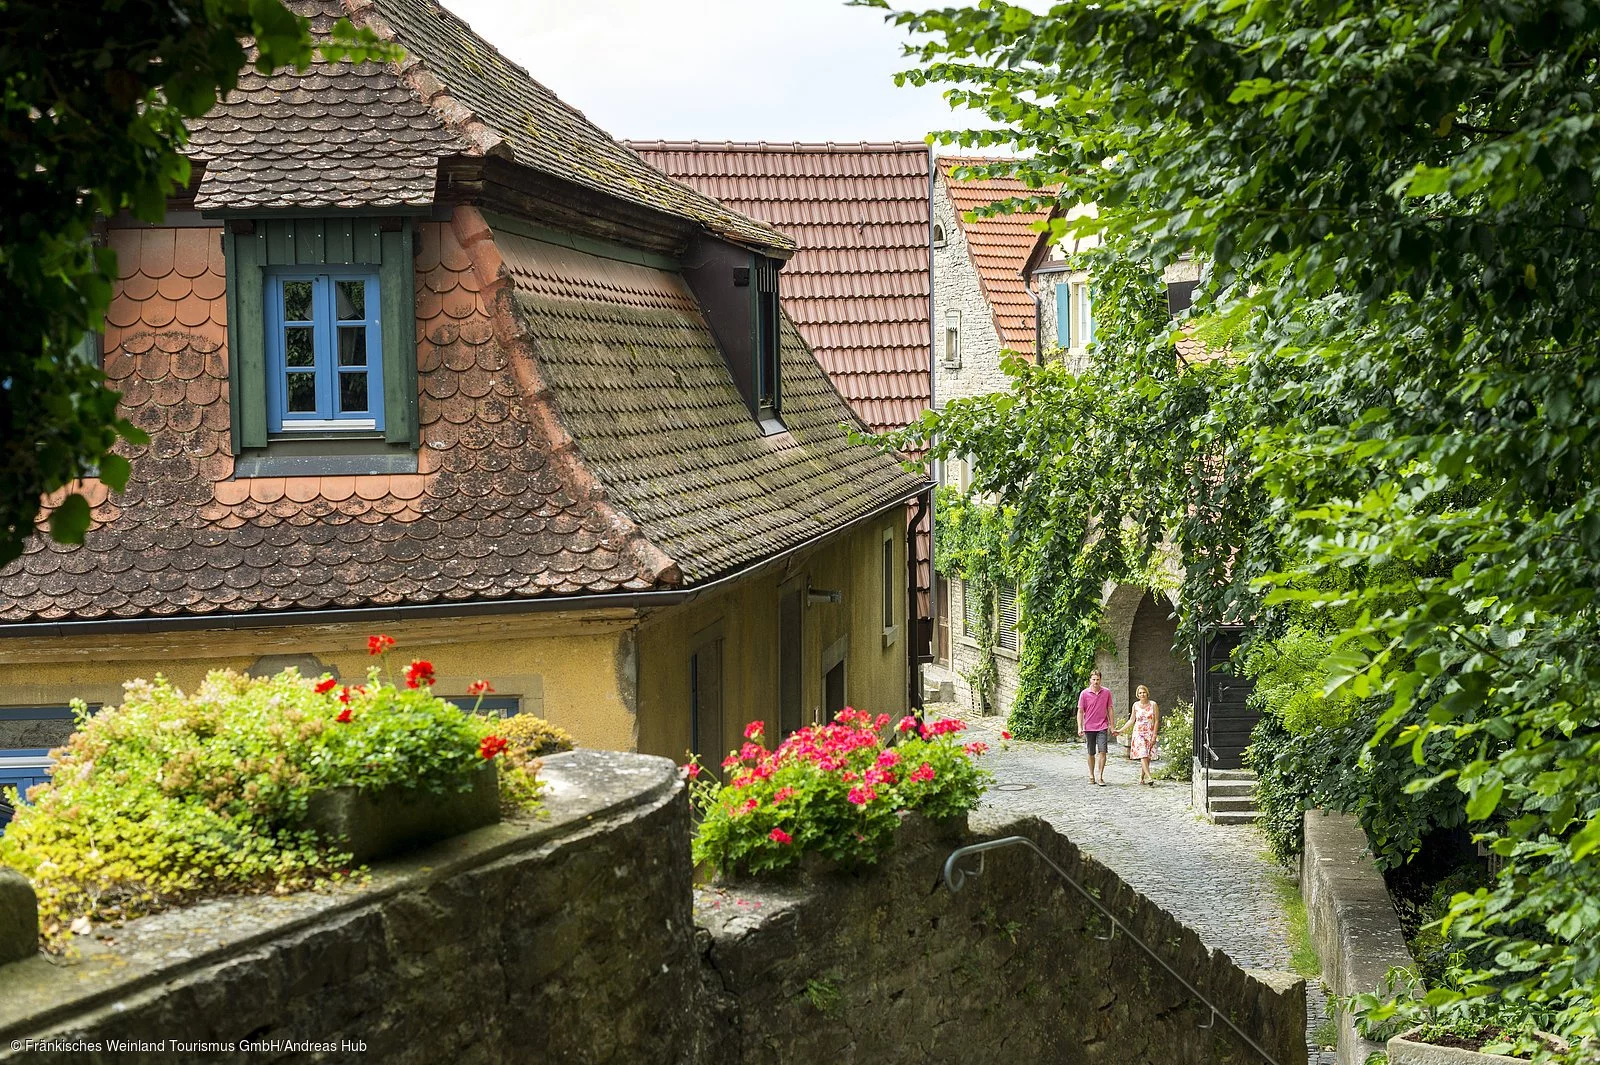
(411, 612)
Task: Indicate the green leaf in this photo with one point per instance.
(1484, 799)
(70, 521)
(1586, 840)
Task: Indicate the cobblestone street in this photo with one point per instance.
(1217, 879)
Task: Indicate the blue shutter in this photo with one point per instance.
(1063, 315)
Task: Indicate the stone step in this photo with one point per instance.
(1217, 806)
(1233, 817)
(1230, 789)
(1230, 774)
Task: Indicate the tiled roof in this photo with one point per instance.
(336, 136)
(999, 246)
(639, 383)
(857, 288)
(496, 510)
(590, 439)
(481, 91)
(343, 136)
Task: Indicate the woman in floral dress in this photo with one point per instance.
(1144, 722)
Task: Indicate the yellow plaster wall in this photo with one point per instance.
(875, 674)
(574, 669)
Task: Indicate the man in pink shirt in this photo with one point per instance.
(1094, 723)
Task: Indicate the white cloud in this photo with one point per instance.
(774, 70)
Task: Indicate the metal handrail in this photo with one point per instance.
(955, 878)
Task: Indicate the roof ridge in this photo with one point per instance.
(820, 147)
(470, 121)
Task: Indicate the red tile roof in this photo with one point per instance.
(1000, 246)
(857, 289)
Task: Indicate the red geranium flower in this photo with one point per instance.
(491, 746)
(326, 685)
(778, 835)
(753, 730)
(691, 770)
(419, 673)
(344, 716)
(479, 687)
(376, 645)
(344, 695)
(1004, 734)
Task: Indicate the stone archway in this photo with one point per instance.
(1151, 660)
(1141, 625)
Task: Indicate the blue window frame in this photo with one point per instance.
(324, 350)
(489, 705)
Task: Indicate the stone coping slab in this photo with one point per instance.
(119, 963)
(1351, 918)
(19, 917)
(1403, 1050)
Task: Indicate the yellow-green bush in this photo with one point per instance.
(173, 796)
(533, 737)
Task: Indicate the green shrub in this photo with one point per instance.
(834, 790)
(1177, 742)
(174, 796)
(533, 737)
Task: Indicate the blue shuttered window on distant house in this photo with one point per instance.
(324, 351)
(1063, 315)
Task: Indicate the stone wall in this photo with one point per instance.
(568, 940)
(891, 967)
(574, 939)
(964, 657)
(1351, 918)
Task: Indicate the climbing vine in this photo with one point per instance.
(970, 541)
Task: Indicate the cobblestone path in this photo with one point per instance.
(1217, 879)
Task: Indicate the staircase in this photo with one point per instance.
(1228, 797)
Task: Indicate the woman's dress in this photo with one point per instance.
(1144, 730)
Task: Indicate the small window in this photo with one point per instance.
(489, 705)
(1085, 314)
(1006, 627)
(952, 339)
(971, 610)
(324, 352)
(791, 636)
(1180, 296)
(938, 235)
(705, 702)
(833, 692)
(768, 338)
(888, 582)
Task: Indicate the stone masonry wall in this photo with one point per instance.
(891, 967)
(574, 939)
(565, 941)
(956, 287)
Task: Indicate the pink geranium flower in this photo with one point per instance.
(778, 835)
(922, 773)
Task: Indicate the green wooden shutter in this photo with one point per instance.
(398, 296)
(246, 255)
(339, 241)
(1063, 315)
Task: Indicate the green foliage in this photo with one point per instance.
(95, 100)
(1394, 206)
(970, 543)
(834, 790)
(1291, 676)
(822, 992)
(531, 736)
(173, 796)
(1177, 742)
(1303, 957)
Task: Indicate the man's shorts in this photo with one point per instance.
(1100, 736)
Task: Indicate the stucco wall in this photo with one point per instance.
(573, 669)
(875, 670)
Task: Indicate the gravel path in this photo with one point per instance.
(1217, 879)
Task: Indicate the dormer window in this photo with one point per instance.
(322, 362)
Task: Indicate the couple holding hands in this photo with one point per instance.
(1094, 724)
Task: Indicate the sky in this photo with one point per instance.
(775, 70)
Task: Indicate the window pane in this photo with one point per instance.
(299, 349)
(352, 393)
(353, 346)
(351, 298)
(302, 392)
(297, 301)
